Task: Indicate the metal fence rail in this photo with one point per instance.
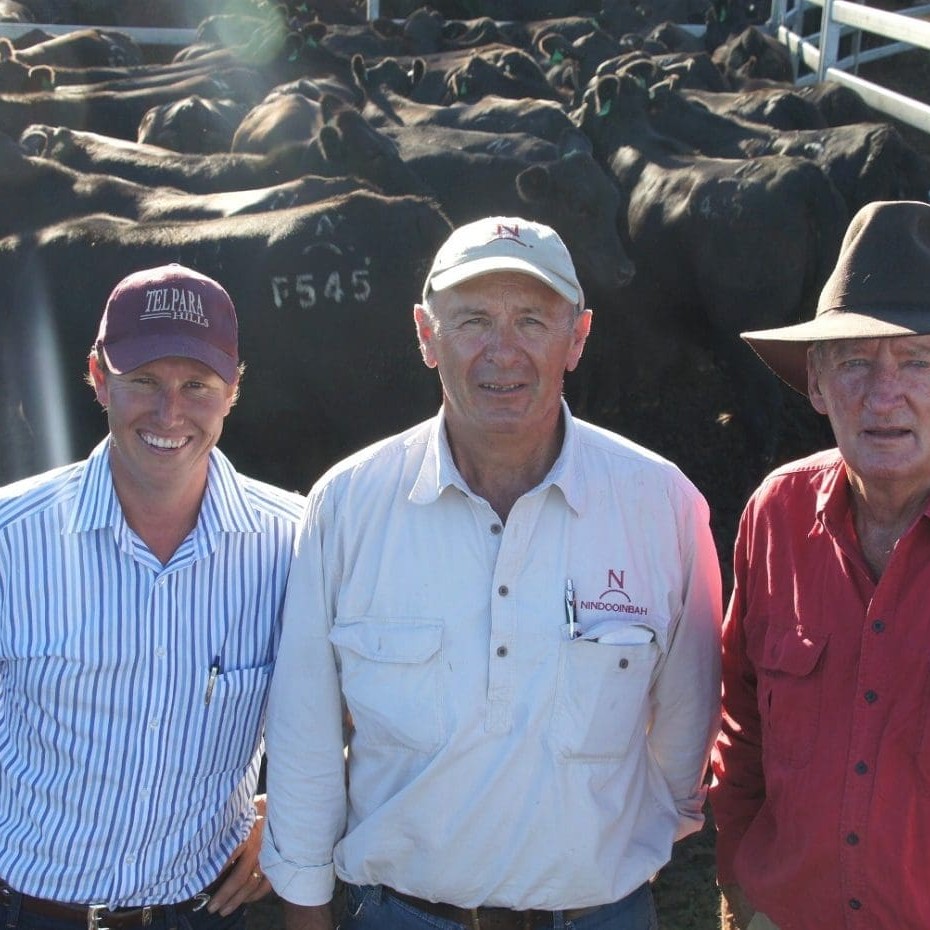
(819, 52)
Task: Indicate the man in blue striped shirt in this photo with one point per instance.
(140, 598)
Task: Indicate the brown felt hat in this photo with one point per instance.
(879, 287)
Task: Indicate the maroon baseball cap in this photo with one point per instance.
(166, 311)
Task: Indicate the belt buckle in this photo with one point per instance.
(93, 917)
(202, 899)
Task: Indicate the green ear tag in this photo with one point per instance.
(605, 108)
(463, 88)
(557, 58)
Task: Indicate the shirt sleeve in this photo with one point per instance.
(738, 789)
(304, 734)
(686, 695)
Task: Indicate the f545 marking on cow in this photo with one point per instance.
(304, 291)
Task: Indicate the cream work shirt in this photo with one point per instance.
(493, 760)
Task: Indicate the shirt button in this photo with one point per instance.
(503, 590)
(153, 723)
(623, 663)
(852, 839)
(495, 528)
(871, 696)
(855, 903)
(502, 651)
(861, 768)
(131, 858)
(879, 626)
(160, 652)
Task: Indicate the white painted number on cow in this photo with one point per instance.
(306, 291)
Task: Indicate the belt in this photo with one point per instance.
(100, 917)
(489, 918)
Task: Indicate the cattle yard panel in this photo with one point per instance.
(820, 51)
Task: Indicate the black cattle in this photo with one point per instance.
(347, 147)
(37, 192)
(866, 162)
(119, 112)
(192, 125)
(423, 139)
(753, 54)
(511, 73)
(84, 48)
(778, 107)
(279, 119)
(720, 246)
(544, 118)
(324, 295)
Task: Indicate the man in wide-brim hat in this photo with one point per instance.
(822, 767)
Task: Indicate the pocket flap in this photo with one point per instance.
(389, 640)
(791, 651)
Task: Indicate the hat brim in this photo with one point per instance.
(129, 354)
(482, 266)
(784, 349)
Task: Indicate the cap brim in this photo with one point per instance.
(482, 266)
(784, 349)
(129, 354)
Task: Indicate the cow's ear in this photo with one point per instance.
(417, 70)
(7, 52)
(359, 71)
(533, 183)
(605, 93)
(330, 143)
(39, 78)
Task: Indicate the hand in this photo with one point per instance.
(245, 882)
(305, 917)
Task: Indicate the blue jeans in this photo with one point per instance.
(14, 917)
(370, 909)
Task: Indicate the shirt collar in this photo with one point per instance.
(225, 507)
(834, 504)
(438, 470)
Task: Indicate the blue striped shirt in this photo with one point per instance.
(119, 783)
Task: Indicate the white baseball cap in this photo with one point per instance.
(505, 243)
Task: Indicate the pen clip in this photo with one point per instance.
(211, 680)
(570, 607)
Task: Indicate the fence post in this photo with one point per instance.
(829, 41)
(374, 9)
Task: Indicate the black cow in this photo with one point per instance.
(324, 295)
(866, 162)
(38, 192)
(346, 147)
(119, 112)
(192, 125)
(720, 246)
(544, 118)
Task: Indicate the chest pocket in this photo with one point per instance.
(391, 680)
(790, 692)
(601, 699)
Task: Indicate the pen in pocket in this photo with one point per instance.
(211, 679)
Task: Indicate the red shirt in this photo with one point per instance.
(822, 769)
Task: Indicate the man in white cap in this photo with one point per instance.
(822, 768)
(521, 615)
(140, 600)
